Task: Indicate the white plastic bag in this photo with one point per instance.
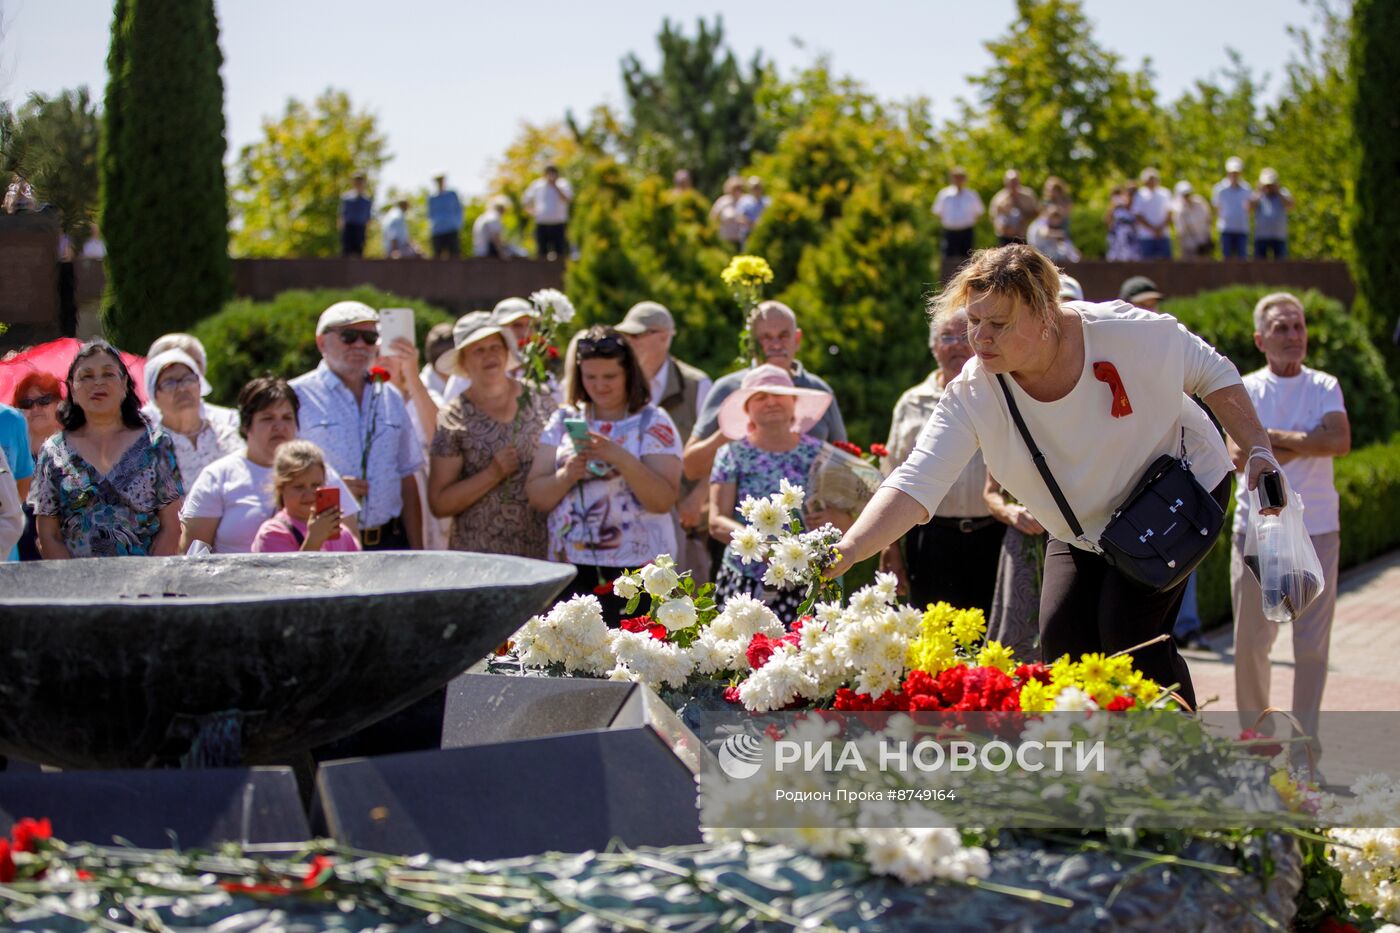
(1281, 555)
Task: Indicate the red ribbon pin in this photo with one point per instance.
(1106, 373)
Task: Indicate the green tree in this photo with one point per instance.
(53, 143)
(288, 187)
(698, 111)
(1217, 118)
(1055, 102)
(1375, 70)
(164, 205)
(535, 146)
(1310, 140)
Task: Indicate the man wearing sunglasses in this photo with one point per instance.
(363, 427)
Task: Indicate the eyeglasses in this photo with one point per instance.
(38, 401)
(952, 340)
(177, 383)
(348, 337)
(601, 346)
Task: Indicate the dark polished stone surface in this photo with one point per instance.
(121, 662)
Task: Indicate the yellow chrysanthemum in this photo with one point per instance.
(1145, 689)
(1100, 691)
(1037, 697)
(933, 652)
(995, 654)
(1119, 668)
(1092, 668)
(938, 617)
(747, 272)
(1064, 673)
(968, 627)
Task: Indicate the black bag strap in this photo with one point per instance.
(300, 538)
(1038, 459)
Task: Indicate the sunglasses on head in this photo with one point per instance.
(589, 347)
(348, 337)
(39, 401)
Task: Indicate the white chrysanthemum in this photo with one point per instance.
(790, 497)
(676, 614)
(627, 585)
(553, 302)
(768, 518)
(777, 683)
(743, 617)
(655, 663)
(747, 506)
(866, 602)
(778, 574)
(621, 673)
(887, 587)
(748, 544)
(1074, 700)
(658, 580)
(791, 550)
(571, 634)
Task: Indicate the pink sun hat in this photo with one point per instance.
(769, 379)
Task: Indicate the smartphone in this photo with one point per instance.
(578, 432)
(1271, 495)
(327, 497)
(395, 323)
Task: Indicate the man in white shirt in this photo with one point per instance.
(1230, 197)
(1307, 422)
(363, 427)
(1152, 205)
(397, 244)
(1191, 217)
(547, 200)
(488, 230)
(680, 390)
(958, 208)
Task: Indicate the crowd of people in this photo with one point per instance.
(1145, 219)
(630, 453)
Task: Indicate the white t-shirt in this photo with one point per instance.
(1156, 206)
(600, 522)
(1096, 458)
(546, 204)
(958, 210)
(238, 492)
(1297, 403)
(485, 229)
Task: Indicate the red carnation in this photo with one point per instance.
(639, 624)
(84, 875)
(919, 683)
(27, 831)
(603, 589)
(319, 870)
(760, 650)
(379, 374)
(7, 863)
(1119, 703)
(552, 352)
(1333, 925)
(731, 695)
(658, 631)
(879, 450)
(1037, 671)
(773, 732)
(522, 343)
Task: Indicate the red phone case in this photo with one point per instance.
(327, 496)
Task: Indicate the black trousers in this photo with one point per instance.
(390, 536)
(352, 240)
(957, 243)
(447, 244)
(1086, 606)
(549, 238)
(957, 567)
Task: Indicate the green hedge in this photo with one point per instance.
(1338, 343)
(1368, 484)
(249, 338)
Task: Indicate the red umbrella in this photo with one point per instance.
(55, 357)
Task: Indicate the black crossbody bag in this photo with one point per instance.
(1163, 528)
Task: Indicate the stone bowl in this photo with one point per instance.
(125, 662)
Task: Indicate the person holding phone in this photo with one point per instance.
(309, 518)
(609, 489)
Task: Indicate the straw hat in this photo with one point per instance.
(470, 328)
(768, 379)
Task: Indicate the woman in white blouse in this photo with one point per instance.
(1098, 440)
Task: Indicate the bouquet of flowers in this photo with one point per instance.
(842, 479)
(553, 309)
(773, 533)
(745, 277)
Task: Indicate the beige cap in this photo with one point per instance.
(646, 316)
(345, 313)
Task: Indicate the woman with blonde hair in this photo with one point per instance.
(1102, 391)
(298, 472)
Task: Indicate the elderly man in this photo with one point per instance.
(680, 389)
(363, 427)
(1306, 419)
(1230, 197)
(776, 339)
(1152, 206)
(1013, 209)
(958, 207)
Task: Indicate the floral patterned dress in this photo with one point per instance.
(759, 473)
(500, 522)
(115, 515)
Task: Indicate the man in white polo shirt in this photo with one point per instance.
(547, 200)
(1152, 206)
(1306, 419)
(1230, 197)
(958, 208)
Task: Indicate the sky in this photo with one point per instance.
(451, 80)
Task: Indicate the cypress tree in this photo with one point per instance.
(164, 206)
(1375, 67)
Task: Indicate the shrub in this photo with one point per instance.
(1337, 343)
(248, 338)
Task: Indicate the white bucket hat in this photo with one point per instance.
(469, 329)
(770, 380)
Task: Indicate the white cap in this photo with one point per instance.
(1234, 164)
(344, 313)
(1184, 187)
(1070, 289)
(1268, 177)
